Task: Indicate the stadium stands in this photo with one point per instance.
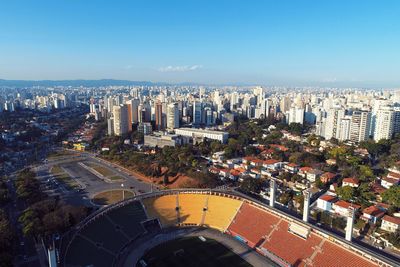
(93, 255)
(104, 233)
(129, 218)
(252, 223)
(287, 242)
(220, 211)
(104, 237)
(191, 208)
(336, 256)
(163, 208)
(281, 240)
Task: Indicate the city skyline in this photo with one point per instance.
(284, 44)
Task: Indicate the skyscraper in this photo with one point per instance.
(360, 123)
(384, 123)
(120, 114)
(173, 116)
(159, 116)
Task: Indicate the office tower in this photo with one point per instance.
(396, 127)
(296, 115)
(359, 127)
(135, 110)
(209, 118)
(384, 125)
(344, 130)
(234, 101)
(110, 126)
(159, 116)
(285, 104)
(121, 122)
(197, 113)
(332, 123)
(173, 116)
(110, 104)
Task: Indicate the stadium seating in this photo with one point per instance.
(336, 256)
(220, 211)
(191, 208)
(252, 223)
(103, 232)
(163, 208)
(129, 218)
(286, 242)
(93, 255)
(289, 246)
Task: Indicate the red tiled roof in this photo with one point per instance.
(351, 180)
(394, 175)
(346, 205)
(374, 211)
(270, 161)
(328, 198)
(279, 147)
(305, 169)
(395, 220)
(293, 165)
(390, 180)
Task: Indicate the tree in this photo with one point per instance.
(345, 192)
(251, 185)
(7, 236)
(392, 196)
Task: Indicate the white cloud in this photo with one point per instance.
(180, 68)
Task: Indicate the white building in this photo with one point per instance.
(199, 133)
(384, 125)
(390, 224)
(172, 116)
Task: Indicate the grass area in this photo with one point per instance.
(58, 154)
(191, 251)
(63, 177)
(115, 178)
(102, 170)
(112, 196)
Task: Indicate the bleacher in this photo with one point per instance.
(220, 211)
(129, 218)
(104, 233)
(191, 208)
(163, 208)
(93, 256)
(334, 255)
(289, 246)
(252, 223)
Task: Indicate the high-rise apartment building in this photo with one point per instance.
(121, 122)
(173, 116)
(384, 126)
(360, 124)
(159, 116)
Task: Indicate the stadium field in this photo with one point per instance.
(192, 252)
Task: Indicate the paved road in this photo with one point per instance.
(141, 246)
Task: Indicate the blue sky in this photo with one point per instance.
(276, 42)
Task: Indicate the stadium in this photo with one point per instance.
(126, 233)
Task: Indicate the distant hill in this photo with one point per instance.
(86, 83)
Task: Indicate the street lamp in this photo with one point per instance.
(123, 192)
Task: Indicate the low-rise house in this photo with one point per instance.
(304, 170)
(373, 213)
(313, 174)
(291, 167)
(341, 207)
(224, 173)
(351, 181)
(387, 182)
(390, 224)
(272, 164)
(328, 177)
(325, 202)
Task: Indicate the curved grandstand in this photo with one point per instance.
(103, 237)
